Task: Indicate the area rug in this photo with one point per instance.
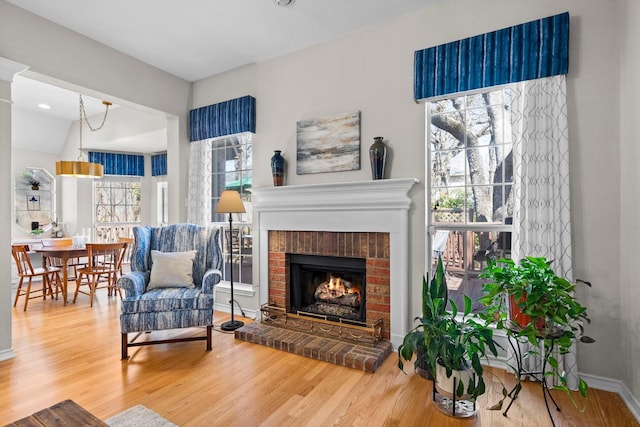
(138, 416)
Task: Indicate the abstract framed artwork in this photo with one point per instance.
(328, 144)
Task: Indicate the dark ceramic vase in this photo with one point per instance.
(378, 156)
(277, 168)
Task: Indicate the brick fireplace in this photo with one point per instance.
(368, 219)
(372, 247)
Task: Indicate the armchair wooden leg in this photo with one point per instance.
(125, 346)
(125, 343)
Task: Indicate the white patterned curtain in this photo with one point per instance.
(542, 225)
(200, 198)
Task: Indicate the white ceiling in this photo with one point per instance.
(191, 39)
(46, 131)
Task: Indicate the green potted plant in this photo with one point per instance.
(452, 346)
(413, 343)
(542, 308)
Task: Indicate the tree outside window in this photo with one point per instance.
(470, 180)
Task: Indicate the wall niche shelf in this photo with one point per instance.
(35, 199)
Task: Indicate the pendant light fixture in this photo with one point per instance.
(82, 168)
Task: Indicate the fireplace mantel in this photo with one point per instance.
(367, 206)
(375, 195)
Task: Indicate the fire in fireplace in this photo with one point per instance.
(328, 286)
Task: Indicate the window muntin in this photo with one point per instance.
(117, 208)
(470, 180)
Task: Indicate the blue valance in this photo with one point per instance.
(119, 163)
(159, 164)
(225, 118)
(528, 51)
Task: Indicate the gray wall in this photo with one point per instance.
(629, 177)
(371, 71)
(5, 217)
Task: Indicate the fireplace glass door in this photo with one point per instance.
(327, 286)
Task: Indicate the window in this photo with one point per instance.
(117, 208)
(162, 203)
(232, 170)
(470, 179)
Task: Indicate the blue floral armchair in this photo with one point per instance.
(146, 308)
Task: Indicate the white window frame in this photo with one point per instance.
(114, 230)
(162, 203)
(242, 223)
(433, 227)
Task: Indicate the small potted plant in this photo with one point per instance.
(35, 184)
(542, 308)
(453, 346)
(30, 179)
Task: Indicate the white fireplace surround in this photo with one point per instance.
(367, 206)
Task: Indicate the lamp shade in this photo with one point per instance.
(79, 169)
(230, 202)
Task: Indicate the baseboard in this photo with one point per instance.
(498, 362)
(226, 308)
(239, 289)
(594, 381)
(243, 293)
(7, 354)
(615, 386)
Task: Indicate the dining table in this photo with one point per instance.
(64, 253)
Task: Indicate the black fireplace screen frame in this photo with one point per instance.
(349, 268)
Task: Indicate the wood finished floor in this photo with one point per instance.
(73, 352)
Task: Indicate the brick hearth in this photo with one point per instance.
(374, 248)
(363, 358)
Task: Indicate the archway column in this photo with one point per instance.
(8, 69)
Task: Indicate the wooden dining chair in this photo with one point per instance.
(104, 266)
(127, 254)
(50, 275)
(126, 260)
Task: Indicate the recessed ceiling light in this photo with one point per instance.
(284, 2)
(44, 106)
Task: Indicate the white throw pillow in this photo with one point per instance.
(172, 269)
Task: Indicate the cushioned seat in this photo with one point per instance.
(168, 299)
(178, 291)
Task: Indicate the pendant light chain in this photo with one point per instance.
(86, 119)
(83, 114)
(82, 168)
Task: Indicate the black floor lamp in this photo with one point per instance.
(230, 203)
